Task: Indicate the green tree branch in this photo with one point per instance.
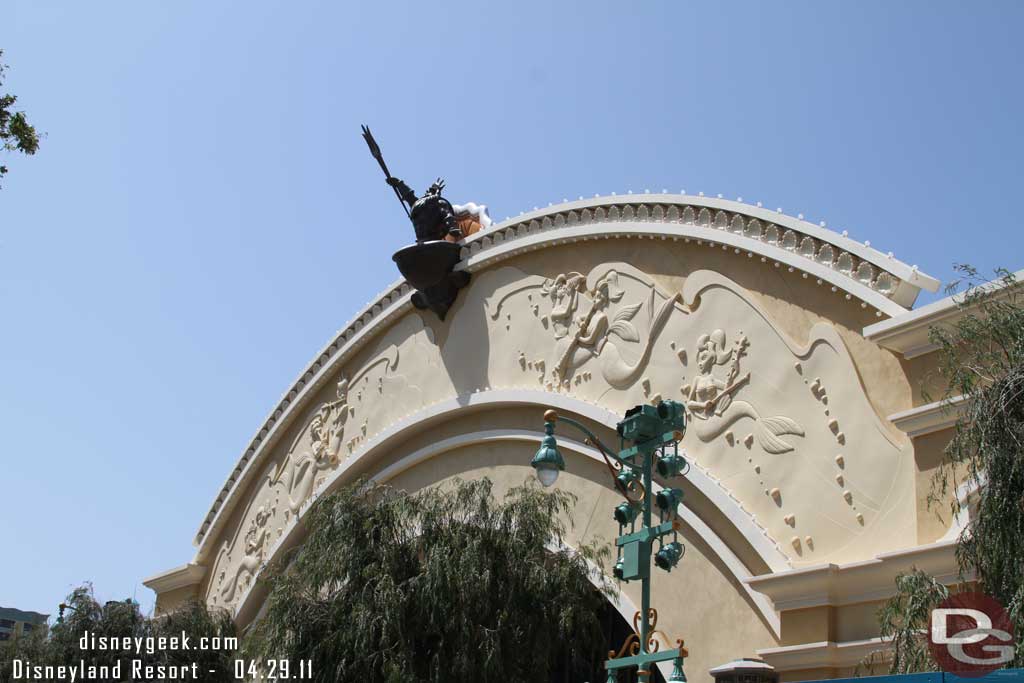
(16, 133)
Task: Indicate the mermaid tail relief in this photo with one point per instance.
(767, 429)
(616, 370)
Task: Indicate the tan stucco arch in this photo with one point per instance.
(449, 443)
(801, 469)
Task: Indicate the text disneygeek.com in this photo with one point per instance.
(139, 664)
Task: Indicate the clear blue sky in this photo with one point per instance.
(203, 215)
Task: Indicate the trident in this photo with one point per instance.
(375, 151)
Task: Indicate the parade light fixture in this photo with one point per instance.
(650, 436)
(625, 513)
(619, 569)
(625, 478)
(671, 466)
(669, 499)
(669, 555)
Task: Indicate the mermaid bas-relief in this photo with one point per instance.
(710, 399)
(581, 336)
(256, 537)
(592, 323)
(299, 473)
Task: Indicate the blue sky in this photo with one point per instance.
(203, 214)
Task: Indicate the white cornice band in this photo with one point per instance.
(824, 654)
(862, 251)
(475, 258)
(909, 334)
(856, 582)
(179, 577)
(928, 418)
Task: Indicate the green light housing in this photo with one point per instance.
(625, 513)
(671, 466)
(548, 462)
(669, 499)
(669, 555)
(673, 414)
(619, 569)
(645, 422)
(640, 424)
(626, 477)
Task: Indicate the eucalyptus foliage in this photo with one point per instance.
(16, 133)
(448, 584)
(982, 360)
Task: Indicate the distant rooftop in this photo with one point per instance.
(22, 615)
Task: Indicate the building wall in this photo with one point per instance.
(800, 469)
(16, 623)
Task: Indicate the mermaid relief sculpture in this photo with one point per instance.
(299, 473)
(711, 402)
(256, 537)
(583, 335)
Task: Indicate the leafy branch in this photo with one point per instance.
(981, 360)
(16, 133)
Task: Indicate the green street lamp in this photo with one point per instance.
(649, 440)
(548, 461)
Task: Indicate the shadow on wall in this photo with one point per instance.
(463, 339)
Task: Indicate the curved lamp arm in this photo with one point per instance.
(552, 416)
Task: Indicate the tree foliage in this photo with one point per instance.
(82, 613)
(16, 133)
(903, 620)
(443, 585)
(982, 360)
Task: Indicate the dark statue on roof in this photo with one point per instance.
(432, 215)
(428, 265)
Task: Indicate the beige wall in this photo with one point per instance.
(171, 600)
(934, 515)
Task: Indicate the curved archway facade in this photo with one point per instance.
(810, 463)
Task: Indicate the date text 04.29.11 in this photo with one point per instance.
(273, 669)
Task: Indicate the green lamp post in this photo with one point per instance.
(548, 462)
(649, 440)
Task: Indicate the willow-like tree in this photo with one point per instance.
(82, 613)
(982, 360)
(448, 584)
(16, 133)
